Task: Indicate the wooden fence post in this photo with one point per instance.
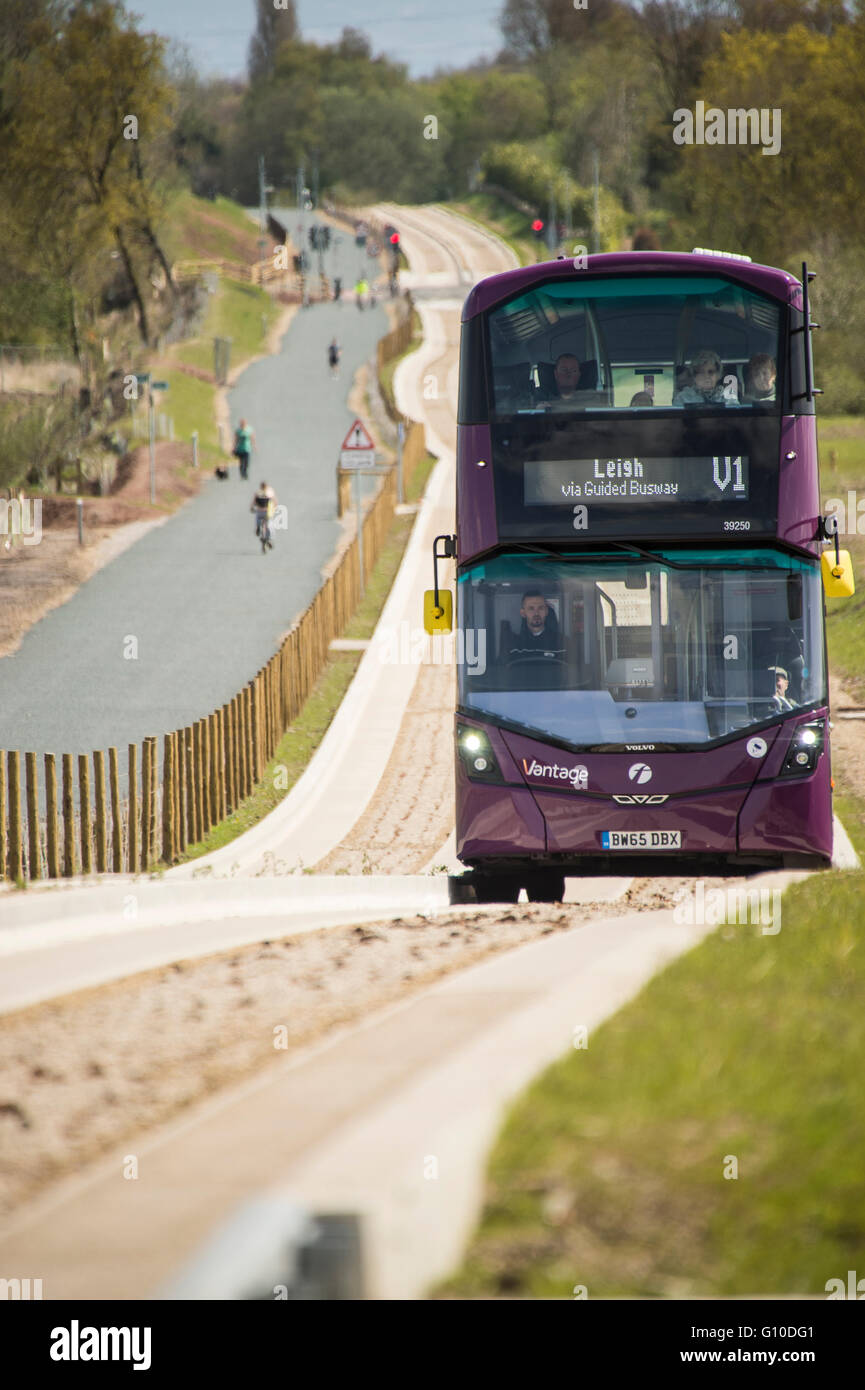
(68, 818)
(214, 767)
(255, 695)
(168, 782)
(228, 755)
(222, 779)
(15, 852)
(196, 780)
(179, 793)
(101, 817)
(154, 796)
(245, 741)
(34, 839)
(145, 803)
(206, 775)
(191, 823)
(132, 817)
(116, 820)
(84, 819)
(51, 830)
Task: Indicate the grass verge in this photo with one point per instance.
(710, 1139)
(242, 312)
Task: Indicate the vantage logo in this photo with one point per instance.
(578, 776)
(640, 800)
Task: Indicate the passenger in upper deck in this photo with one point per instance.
(641, 398)
(707, 388)
(760, 374)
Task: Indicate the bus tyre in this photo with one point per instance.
(496, 888)
(460, 889)
(547, 887)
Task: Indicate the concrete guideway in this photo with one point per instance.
(428, 1078)
(54, 943)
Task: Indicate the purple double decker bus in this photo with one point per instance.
(638, 552)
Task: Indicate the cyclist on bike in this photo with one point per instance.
(264, 506)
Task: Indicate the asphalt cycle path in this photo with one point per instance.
(177, 624)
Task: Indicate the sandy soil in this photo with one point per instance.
(82, 1074)
(411, 814)
(848, 743)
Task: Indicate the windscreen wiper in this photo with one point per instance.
(649, 555)
(546, 552)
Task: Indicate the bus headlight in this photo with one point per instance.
(806, 745)
(476, 754)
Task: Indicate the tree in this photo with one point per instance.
(531, 27)
(275, 24)
(87, 112)
(771, 207)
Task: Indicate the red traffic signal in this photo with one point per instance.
(537, 226)
(394, 241)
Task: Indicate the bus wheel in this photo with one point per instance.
(496, 888)
(546, 887)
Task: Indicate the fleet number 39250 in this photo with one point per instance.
(737, 525)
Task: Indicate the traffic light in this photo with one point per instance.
(538, 228)
(394, 241)
(325, 236)
(313, 236)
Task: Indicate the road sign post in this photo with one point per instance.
(359, 510)
(154, 386)
(358, 454)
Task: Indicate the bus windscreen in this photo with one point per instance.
(597, 650)
(631, 343)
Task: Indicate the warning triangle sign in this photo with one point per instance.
(358, 437)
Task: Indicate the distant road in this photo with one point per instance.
(206, 607)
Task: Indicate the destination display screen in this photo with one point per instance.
(663, 477)
(634, 481)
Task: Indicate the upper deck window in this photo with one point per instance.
(684, 343)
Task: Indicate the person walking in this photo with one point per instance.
(244, 443)
(360, 290)
(334, 352)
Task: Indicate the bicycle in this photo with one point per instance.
(262, 531)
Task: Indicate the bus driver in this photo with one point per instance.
(539, 631)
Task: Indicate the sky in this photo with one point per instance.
(424, 34)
